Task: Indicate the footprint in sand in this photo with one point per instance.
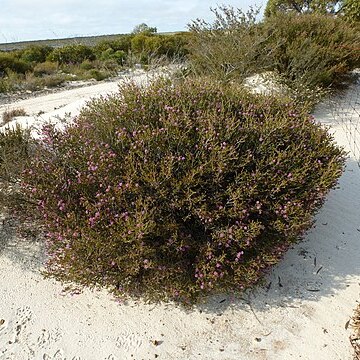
(3, 325)
(47, 337)
(23, 317)
(59, 355)
(111, 357)
(129, 341)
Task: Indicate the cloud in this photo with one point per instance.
(39, 19)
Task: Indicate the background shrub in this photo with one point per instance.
(9, 115)
(9, 61)
(36, 53)
(119, 55)
(98, 75)
(45, 68)
(233, 46)
(123, 43)
(309, 52)
(172, 191)
(311, 49)
(14, 153)
(71, 54)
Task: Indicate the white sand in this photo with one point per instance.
(66, 104)
(300, 315)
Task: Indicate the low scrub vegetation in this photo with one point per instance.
(312, 50)
(36, 67)
(186, 187)
(309, 52)
(14, 153)
(10, 114)
(176, 190)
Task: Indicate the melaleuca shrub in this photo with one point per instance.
(312, 50)
(172, 191)
(71, 54)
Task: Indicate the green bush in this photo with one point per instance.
(53, 80)
(14, 153)
(149, 46)
(109, 54)
(122, 43)
(12, 81)
(4, 86)
(278, 7)
(233, 46)
(71, 54)
(9, 61)
(176, 190)
(87, 65)
(312, 50)
(45, 68)
(351, 11)
(98, 75)
(36, 54)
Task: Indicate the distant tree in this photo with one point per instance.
(144, 29)
(304, 6)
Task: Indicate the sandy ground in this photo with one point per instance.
(59, 106)
(300, 314)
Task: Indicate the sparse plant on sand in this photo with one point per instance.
(10, 114)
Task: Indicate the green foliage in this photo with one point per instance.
(72, 54)
(15, 147)
(308, 52)
(123, 43)
(144, 29)
(176, 190)
(147, 46)
(98, 75)
(138, 43)
(274, 7)
(9, 61)
(351, 11)
(312, 50)
(171, 46)
(36, 54)
(87, 65)
(11, 81)
(233, 46)
(109, 54)
(45, 68)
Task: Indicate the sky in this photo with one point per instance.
(22, 20)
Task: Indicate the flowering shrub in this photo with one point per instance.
(173, 191)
